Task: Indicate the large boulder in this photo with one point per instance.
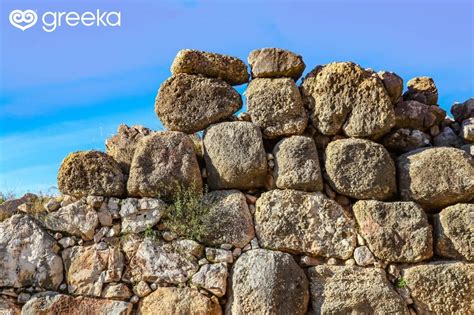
(235, 156)
(436, 177)
(228, 68)
(416, 115)
(297, 164)
(164, 162)
(404, 140)
(441, 288)
(353, 290)
(393, 84)
(275, 63)
(165, 301)
(422, 89)
(52, 303)
(190, 103)
(395, 231)
(343, 97)
(229, 220)
(122, 145)
(454, 232)
(267, 282)
(91, 173)
(463, 111)
(275, 106)
(28, 255)
(361, 169)
(298, 222)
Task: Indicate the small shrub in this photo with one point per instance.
(401, 283)
(150, 233)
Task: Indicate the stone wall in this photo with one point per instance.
(342, 194)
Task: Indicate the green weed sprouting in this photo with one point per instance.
(150, 233)
(401, 283)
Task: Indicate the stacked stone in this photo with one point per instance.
(336, 196)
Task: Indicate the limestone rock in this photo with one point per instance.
(235, 156)
(10, 207)
(165, 301)
(298, 222)
(416, 115)
(404, 140)
(361, 169)
(122, 145)
(275, 63)
(190, 103)
(227, 68)
(363, 256)
(51, 303)
(228, 220)
(463, 111)
(395, 231)
(393, 84)
(353, 290)
(267, 282)
(467, 130)
(147, 213)
(422, 89)
(88, 268)
(8, 306)
(118, 291)
(163, 163)
(441, 288)
(275, 106)
(297, 164)
(454, 232)
(217, 255)
(436, 177)
(343, 97)
(28, 255)
(212, 277)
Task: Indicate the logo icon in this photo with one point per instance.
(23, 19)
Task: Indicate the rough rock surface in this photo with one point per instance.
(360, 169)
(467, 130)
(8, 306)
(91, 173)
(454, 232)
(51, 303)
(235, 156)
(275, 106)
(298, 222)
(228, 68)
(447, 138)
(212, 277)
(297, 164)
(190, 103)
(422, 89)
(10, 207)
(353, 290)
(229, 220)
(441, 288)
(163, 163)
(464, 110)
(260, 283)
(138, 215)
(122, 145)
(416, 115)
(395, 231)
(275, 63)
(165, 301)
(436, 177)
(393, 84)
(342, 96)
(404, 140)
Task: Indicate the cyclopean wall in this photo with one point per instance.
(342, 194)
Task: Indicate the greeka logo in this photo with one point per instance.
(51, 21)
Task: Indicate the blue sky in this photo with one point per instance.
(69, 90)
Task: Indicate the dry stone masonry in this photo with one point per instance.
(340, 193)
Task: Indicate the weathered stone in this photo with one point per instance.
(190, 103)
(463, 111)
(395, 231)
(189, 247)
(91, 173)
(441, 288)
(353, 290)
(363, 256)
(235, 156)
(228, 220)
(163, 163)
(404, 140)
(88, 268)
(77, 218)
(275, 106)
(147, 215)
(361, 169)
(212, 277)
(422, 89)
(227, 68)
(342, 96)
(217, 255)
(28, 255)
(297, 164)
(267, 282)
(416, 115)
(8, 306)
(142, 289)
(10, 207)
(447, 138)
(454, 232)
(298, 222)
(393, 84)
(165, 301)
(51, 303)
(122, 145)
(467, 130)
(275, 63)
(118, 291)
(436, 177)
(468, 148)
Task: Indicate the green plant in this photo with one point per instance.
(401, 283)
(150, 233)
(6, 196)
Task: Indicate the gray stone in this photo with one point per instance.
(467, 130)
(363, 256)
(148, 215)
(217, 255)
(468, 148)
(404, 140)
(212, 277)
(463, 111)
(275, 63)
(447, 138)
